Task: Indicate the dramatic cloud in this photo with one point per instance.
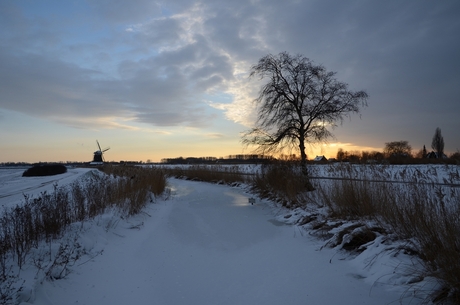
(175, 63)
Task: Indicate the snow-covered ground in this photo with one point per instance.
(13, 186)
(206, 244)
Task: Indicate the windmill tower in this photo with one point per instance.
(98, 157)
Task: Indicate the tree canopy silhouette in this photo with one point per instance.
(397, 149)
(438, 143)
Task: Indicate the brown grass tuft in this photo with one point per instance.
(282, 182)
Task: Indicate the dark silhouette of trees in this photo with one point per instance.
(397, 149)
(297, 104)
(421, 154)
(341, 155)
(45, 170)
(456, 156)
(438, 143)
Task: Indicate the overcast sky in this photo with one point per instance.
(157, 79)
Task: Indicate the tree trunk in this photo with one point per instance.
(304, 168)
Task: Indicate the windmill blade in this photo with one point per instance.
(106, 149)
(98, 145)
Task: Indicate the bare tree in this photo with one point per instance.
(438, 143)
(341, 155)
(297, 104)
(397, 149)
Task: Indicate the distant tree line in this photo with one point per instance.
(401, 152)
(67, 163)
(356, 156)
(243, 158)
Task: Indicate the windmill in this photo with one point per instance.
(99, 154)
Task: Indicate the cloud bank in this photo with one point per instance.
(112, 64)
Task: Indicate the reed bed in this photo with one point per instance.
(417, 204)
(45, 218)
(281, 182)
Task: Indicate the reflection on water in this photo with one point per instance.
(277, 223)
(238, 199)
(179, 190)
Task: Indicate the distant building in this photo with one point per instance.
(320, 158)
(434, 155)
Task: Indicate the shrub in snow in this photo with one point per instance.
(45, 170)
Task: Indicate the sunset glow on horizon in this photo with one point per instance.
(156, 80)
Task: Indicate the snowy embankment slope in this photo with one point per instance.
(208, 245)
(13, 186)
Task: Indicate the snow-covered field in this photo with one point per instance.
(13, 186)
(206, 244)
(423, 173)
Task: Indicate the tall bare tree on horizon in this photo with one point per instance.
(438, 143)
(297, 104)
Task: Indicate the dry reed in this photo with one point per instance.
(46, 217)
